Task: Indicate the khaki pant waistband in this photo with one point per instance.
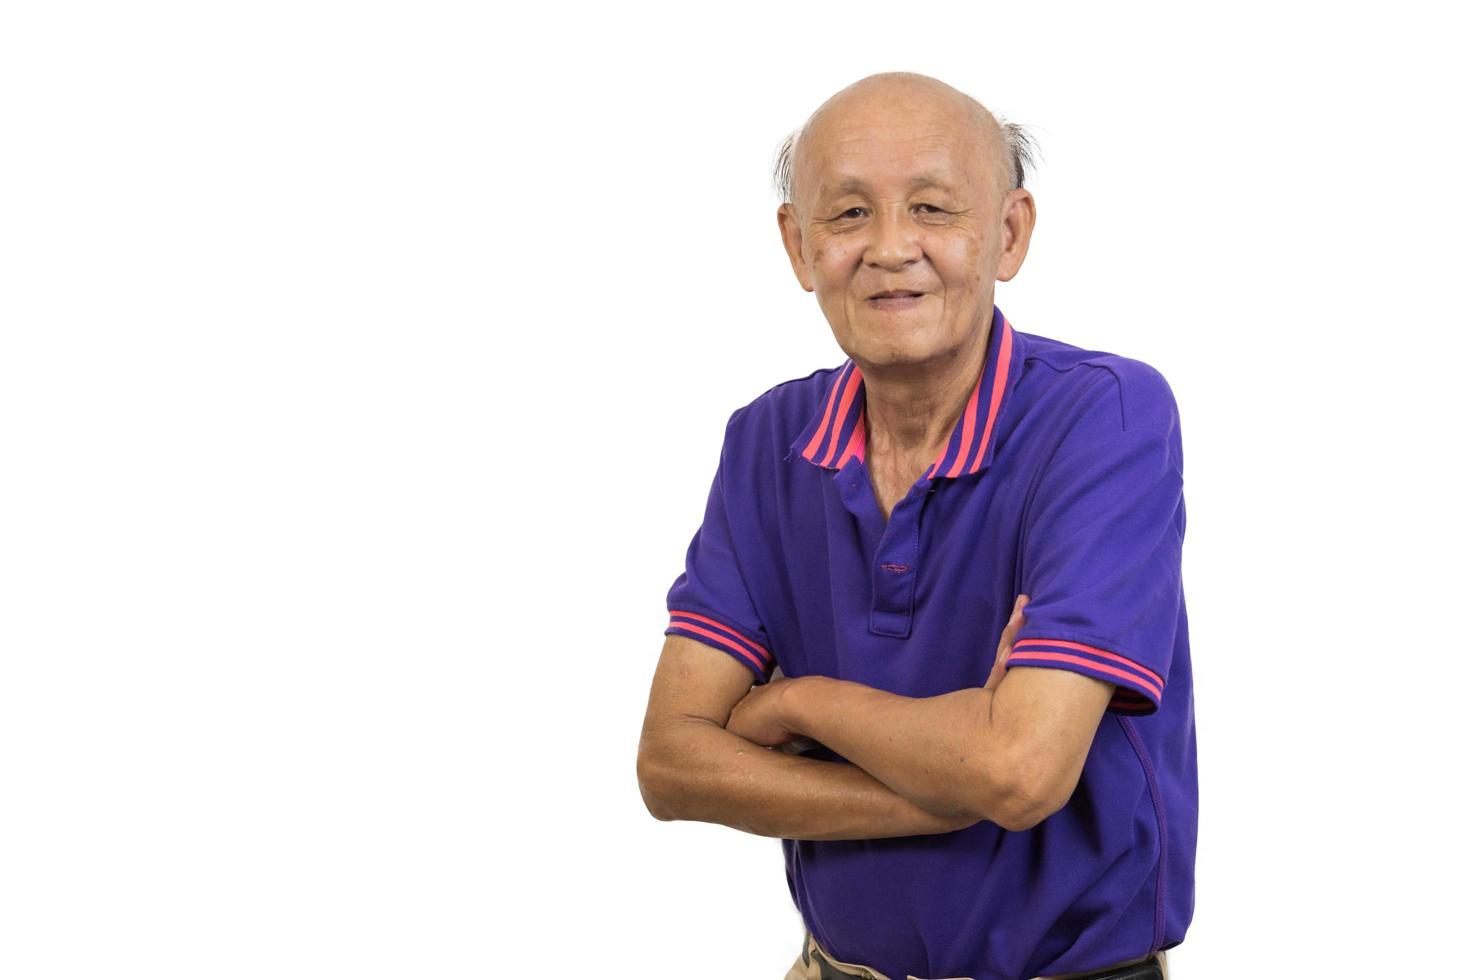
(809, 966)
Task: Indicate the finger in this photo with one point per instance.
(1006, 642)
(996, 673)
(1016, 620)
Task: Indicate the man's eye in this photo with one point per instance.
(932, 208)
(848, 213)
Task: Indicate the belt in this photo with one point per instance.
(1151, 968)
(820, 965)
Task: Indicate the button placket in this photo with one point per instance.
(895, 569)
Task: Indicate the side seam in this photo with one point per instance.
(1131, 733)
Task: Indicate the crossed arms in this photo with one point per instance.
(1010, 752)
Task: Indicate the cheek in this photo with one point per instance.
(972, 261)
(833, 255)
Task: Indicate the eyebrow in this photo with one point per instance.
(851, 184)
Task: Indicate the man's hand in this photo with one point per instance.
(759, 716)
(1006, 643)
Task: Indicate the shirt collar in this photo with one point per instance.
(838, 432)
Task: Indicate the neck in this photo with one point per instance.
(911, 410)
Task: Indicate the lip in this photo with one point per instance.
(895, 303)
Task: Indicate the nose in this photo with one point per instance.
(894, 242)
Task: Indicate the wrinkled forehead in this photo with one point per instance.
(885, 167)
(894, 163)
(889, 153)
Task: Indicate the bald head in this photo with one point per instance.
(1004, 150)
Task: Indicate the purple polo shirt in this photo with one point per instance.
(1062, 480)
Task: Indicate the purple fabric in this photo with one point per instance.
(1062, 481)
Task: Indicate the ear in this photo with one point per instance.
(791, 235)
(1019, 222)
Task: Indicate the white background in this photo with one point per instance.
(365, 366)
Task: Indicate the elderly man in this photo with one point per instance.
(893, 552)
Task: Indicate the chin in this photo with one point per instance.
(903, 341)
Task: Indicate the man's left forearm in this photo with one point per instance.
(942, 753)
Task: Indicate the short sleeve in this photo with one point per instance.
(710, 601)
(1102, 556)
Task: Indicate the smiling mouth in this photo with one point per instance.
(896, 302)
(897, 294)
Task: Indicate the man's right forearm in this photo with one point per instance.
(694, 770)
